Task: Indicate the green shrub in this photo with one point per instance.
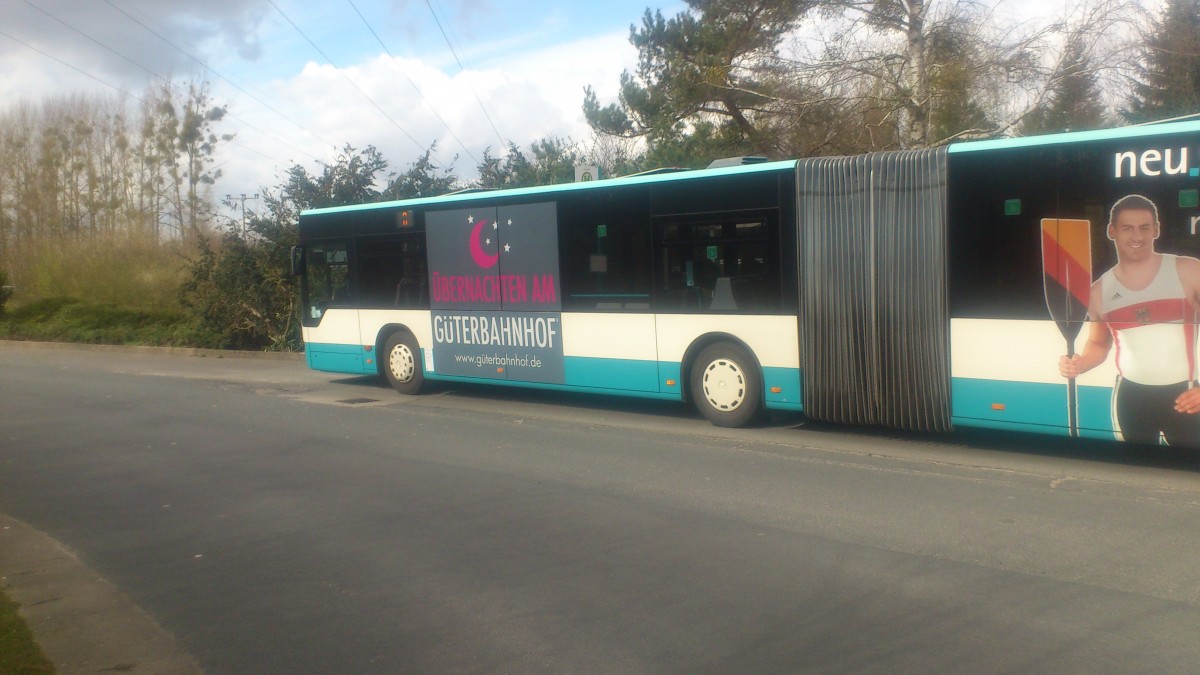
(242, 295)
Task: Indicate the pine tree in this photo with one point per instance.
(1073, 102)
(1169, 85)
(707, 65)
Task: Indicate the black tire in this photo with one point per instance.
(402, 363)
(726, 385)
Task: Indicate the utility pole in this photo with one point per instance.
(230, 199)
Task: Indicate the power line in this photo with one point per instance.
(441, 10)
(348, 79)
(166, 81)
(414, 85)
(78, 70)
(114, 87)
(464, 70)
(219, 75)
(97, 42)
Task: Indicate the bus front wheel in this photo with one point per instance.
(726, 386)
(403, 365)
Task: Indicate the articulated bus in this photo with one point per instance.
(1045, 284)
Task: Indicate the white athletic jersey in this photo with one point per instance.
(1154, 329)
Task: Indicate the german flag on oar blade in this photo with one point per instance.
(1067, 271)
(1067, 276)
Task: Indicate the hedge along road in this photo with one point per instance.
(271, 519)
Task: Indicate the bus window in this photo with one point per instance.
(718, 265)
(392, 272)
(327, 281)
(606, 264)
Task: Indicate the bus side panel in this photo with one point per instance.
(610, 351)
(334, 346)
(997, 385)
(774, 341)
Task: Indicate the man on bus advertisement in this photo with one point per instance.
(1147, 306)
(494, 292)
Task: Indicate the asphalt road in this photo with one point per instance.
(275, 520)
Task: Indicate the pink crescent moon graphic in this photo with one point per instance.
(481, 257)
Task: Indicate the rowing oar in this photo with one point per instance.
(1067, 276)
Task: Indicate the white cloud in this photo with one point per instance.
(532, 95)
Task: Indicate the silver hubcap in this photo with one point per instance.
(402, 363)
(724, 385)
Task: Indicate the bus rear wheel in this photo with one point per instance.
(403, 364)
(726, 386)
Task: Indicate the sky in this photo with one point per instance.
(302, 79)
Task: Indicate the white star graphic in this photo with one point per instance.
(470, 220)
(495, 225)
(507, 248)
(488, 241)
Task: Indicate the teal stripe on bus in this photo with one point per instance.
(1076, 137)
(609, 183)
(667, 396)
(630, 377)
(1030, 406)
(336, 358)
(788, 381)
(617, 374)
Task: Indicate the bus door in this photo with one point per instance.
(719, 273)
(330, 324)
(494, 291)
(608, 322)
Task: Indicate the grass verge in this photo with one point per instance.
(74, 320)
(19, 654)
